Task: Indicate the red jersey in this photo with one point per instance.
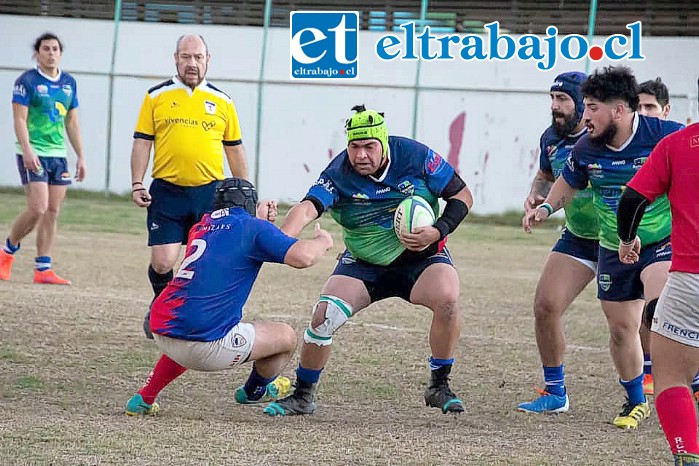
(673, 168)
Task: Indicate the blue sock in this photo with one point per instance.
(42, 263)
(9, 247)
(436, 363)
(695, 384)
(646, 363)
(555, 380)
(256, 385)
(308, 375)
(634, 389)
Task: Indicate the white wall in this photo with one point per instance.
(505, 104)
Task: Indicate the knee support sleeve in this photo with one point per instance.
(649, 312)
(337, 312)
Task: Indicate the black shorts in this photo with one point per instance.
(175, 209)
(617, 281)
(387, 281)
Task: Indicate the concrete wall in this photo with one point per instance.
(486, 117)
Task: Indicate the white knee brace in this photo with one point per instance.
(336, 314)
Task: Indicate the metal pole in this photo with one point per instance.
(110, 99)
(416, 94)
(590, 30)
(260, 89)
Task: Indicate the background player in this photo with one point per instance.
(654, 99)
(572, 263)
(617, 144)
(45, 108)
(673, 168)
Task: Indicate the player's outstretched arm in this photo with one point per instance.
(298, 217)
(561, 194)
(306, 252)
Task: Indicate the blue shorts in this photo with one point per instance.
(585, 250)
(175, 209)
(622, 282)
(387, 281)
(54, 171)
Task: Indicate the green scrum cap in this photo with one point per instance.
(367, 124)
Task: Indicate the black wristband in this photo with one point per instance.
(454, 212)
(136, 182)
(139, 189)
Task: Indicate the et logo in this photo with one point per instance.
(323, 44)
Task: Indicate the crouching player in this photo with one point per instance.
(196, 321)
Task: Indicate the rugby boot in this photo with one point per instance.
(439, 395)
(631, 416)
(276, 389)
(547, 403)
(49, 277)
(686, 459)
(6, 261)
(647, 384)
(137, 407)
(301, 401)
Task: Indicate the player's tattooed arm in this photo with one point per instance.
(541, 186)
(560, 195)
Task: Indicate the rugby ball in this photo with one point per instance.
(413, 212)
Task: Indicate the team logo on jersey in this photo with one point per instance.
(551, 152)
(219, 213)
(694, 142)
(323, 44)
(406, 187)
(383, 190)
(207, 125)
(210, 107)
(433, 163)
(67, 89)
(605, 281)
(638, 163)
(326, 184)
(360, 196)
(19, 90)
(61, 109)
(594, 170)
(238, 340)
(42, 89)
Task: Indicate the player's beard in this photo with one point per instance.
(565, 128)
(605, 137)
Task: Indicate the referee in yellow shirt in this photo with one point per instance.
(192, 124)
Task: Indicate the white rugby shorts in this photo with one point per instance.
(228, 352)
(677, 313)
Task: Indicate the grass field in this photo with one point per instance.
(70, 357)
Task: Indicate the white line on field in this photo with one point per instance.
(386, 327)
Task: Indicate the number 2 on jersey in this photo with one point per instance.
(199, 248)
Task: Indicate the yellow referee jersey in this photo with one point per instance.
(189, 128)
